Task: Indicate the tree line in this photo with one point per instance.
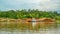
(29, 14)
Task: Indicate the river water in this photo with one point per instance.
(52, 31)
(41, 31)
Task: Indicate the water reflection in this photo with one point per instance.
(42, 31)
(16, 30)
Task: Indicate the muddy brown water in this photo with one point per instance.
(40, 31)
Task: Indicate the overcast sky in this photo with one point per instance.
(30, 4)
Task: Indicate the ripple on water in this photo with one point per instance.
(42, 31)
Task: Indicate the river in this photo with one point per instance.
(41, 31)
(52, 31)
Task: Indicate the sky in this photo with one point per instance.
(47, 5)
